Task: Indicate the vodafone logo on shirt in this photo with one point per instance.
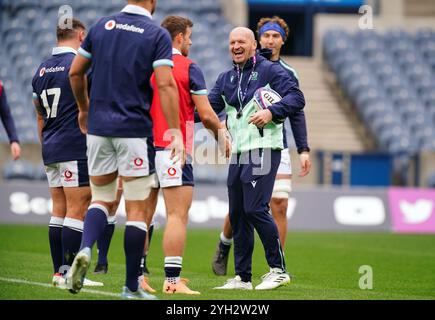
(110, 25)
(44, 70)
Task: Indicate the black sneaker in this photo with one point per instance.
(220, 259)
(101, 268)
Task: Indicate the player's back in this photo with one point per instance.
(187, 107)
(61, 137)
(124, 48)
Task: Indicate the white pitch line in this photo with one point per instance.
(46, 285)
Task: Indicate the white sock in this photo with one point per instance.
(225, 240)
(173, 280)
(173, 266)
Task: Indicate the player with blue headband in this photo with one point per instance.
(274, 26)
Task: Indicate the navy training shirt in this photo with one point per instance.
(6, 116)
(62, 139)
(124, 48)
(297, 120)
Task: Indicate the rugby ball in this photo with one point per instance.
(265, 97)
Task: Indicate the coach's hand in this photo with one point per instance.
(177, 149)
(225, 147)
(83, 121)
(304, 159)
(224, 140)
(261, 118)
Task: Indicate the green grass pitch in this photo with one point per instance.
(324, 265)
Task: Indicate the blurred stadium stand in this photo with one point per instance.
(27, 34)
(390, 78)
(19, 169)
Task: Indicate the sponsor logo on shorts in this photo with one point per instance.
(138, 162)
(172, 171)
(68, 176)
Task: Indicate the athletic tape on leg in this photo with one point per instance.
(282, 188)
(106, 193)
(138, 189)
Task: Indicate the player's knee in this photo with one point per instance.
(279, 209)
(178, 216)
(104, 193)
(77, 209)
(282, 189)
(59, 209)
(113, 207)
(179, 210)
(138, 189)
(83, 201)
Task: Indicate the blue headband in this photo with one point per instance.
(275, 27)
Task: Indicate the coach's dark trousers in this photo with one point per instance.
(251, 177)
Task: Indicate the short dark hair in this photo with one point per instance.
(176, 25)
(67, 33)
(275, 19)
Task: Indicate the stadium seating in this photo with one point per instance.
(19, 169)
(431, 180)
(39, 172)
(27, 34)
(390, 79)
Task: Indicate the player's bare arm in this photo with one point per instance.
(40, 124)
(170, 105)
(39, 118)
(210, 120)
(79, 85)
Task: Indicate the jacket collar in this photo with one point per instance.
(250, 62)
(266, 53)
